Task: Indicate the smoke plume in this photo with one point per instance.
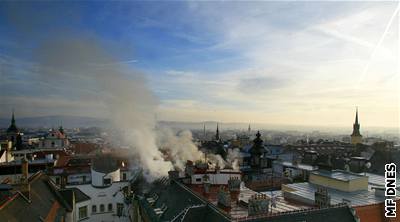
(87, 76)
(125, 100)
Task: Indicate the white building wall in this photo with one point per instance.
(79, 205)
(79, 178)
(98, 177)
(112, 194)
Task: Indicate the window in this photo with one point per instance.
(198, 179)
(101, 207)
(109, 207)
(52, 144)
(58, 180)
(120, 208)
(124, 176)
(107, 181)
(83, 212)
(84, 179)
(94, 209)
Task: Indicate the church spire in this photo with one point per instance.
(13, 118)
(356, 121)
(356, 136)
(217, 137)
(13, 126)
(249, 129)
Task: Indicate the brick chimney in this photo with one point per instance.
(234, 188)
(26, 187)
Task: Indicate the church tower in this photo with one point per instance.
(13, 133)
(256, 151)
(217, 137)
(356, 136)
(12, 130)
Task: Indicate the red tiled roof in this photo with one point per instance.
(62, 161)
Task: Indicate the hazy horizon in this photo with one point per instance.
(82, 121)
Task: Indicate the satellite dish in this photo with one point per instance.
(368, 165)
(347, 167)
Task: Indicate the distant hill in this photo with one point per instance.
(54, 121)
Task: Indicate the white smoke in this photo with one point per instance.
(179, 147)
(120, 90)
(233, 158)
(78, 69)
(126, 101)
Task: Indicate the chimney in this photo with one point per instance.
(224, 198)
(258, 204)
(234, 188)
(26, 187)
(206, 185)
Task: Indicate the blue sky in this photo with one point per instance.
(300, 63)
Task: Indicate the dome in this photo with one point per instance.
(104, 164)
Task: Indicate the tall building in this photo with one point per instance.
(13, 134)
(356, 136)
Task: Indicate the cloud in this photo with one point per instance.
(260, 85)
(258, 61)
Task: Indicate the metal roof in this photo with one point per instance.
(305, 192)
(339, 175)
(298, 166)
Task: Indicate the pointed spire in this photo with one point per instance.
(13, 118)
(217, 133)
(249, 129)
(13, 127)
(356, 122)
(356, 135)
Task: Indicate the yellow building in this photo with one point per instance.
(339, 180)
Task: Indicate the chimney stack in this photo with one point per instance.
(26, 187)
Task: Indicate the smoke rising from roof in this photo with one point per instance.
(123, 95)
(120, 90)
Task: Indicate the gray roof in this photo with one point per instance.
(304, 192)
(176, 198)
(342, 214)
(42, 200)
(297, 166)
(105, 164)
(79, 195)
(338, 175)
